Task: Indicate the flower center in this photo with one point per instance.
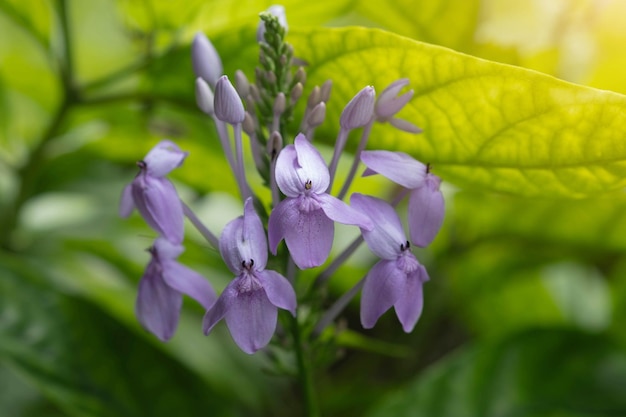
(307, 185)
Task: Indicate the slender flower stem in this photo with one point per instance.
(337, 262)
(206, 233)
(357, 159)
(336, 309)
(339, 145)
(239, 170)
(305, 374)
(222, 133)
(273, 184)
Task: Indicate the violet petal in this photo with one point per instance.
(221, 306)
(157, 201)
(163, 158)
(426, 211)
(251, 320)
(397, 166)
(189, 282)
(278, 290)
(127, 204)
(340, 212)
(158, 305)
(409, 306)
(387, 235)
(383, 287)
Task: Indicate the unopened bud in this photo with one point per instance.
(317, 115)
(296, 92)
(205, 59)
(242, 84)
(204, 96)
(227, 104)
(274, 144)
(360, 110)
(248, 125)
(325, 90)
(314, 97)
(300, 75)
(280, 104)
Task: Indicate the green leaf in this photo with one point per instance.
(542, 372)
(486, 125)
(87, 362)
(427, 20)
(594, 225)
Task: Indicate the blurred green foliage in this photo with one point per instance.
(525, 309)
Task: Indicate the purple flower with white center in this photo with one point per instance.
(249, 303)
(161, 290)
(154, 195)
(426, 204)
(396, 280)
(389, 103)
(305, 218)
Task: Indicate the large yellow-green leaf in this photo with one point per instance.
(486, 125)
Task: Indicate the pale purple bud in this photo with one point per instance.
(300, 75)
(242, 84)
(314, 97)
(274, 144)
(325, 90)
(228, 106)
(296, 92)
(204, 96)
(205, 59)
(360, 110)
(280, 103)
(317, 115)
(248, 125)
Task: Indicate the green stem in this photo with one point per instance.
(305, 375)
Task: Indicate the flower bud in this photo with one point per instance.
(204, 96)
(228, 106)
(359, 111)
(280, 103)
(242, 84)
(205, 59)
(317, 115)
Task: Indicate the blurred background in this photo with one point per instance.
(526, 306)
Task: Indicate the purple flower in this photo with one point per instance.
(162, 287)
(396, 280)
(154, 195)
(305, 218)
(249, 303)
(426, 205)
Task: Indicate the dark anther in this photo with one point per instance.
(243, 264)
(307, 185)
(404, 246)
(401, 247)
(251, 263)
(428, 168)
(141, 164)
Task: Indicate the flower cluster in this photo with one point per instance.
(302, 210)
